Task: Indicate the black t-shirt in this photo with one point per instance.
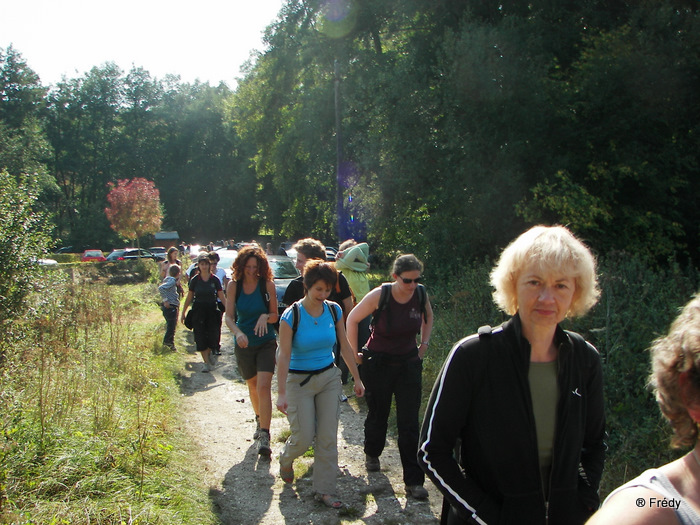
(205, 291)
(295, 291)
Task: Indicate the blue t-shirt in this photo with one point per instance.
(313, 342)
(249, 308)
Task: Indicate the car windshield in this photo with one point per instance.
(226, 258)
(93, 253)
(283, 269)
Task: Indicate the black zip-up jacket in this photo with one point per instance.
(482, 400)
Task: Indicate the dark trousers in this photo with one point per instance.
(207, 326)
(385, 378)
(170, 315)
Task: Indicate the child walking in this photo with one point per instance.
(171, 304)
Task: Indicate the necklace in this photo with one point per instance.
(306, 307)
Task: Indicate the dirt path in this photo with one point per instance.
(244, 490)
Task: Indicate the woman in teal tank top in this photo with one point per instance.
(251, 321)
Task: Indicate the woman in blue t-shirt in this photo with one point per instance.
(308, 382)
(251, 311)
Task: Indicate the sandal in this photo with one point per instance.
(329, 501)
(286, 473)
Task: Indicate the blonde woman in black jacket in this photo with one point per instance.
(525, 400)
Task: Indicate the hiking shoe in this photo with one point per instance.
(416, 491)
(256, 434)
(264, 449)
(372, 463)
(213, 359)
(286, 473)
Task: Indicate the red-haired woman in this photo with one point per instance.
(251, 312)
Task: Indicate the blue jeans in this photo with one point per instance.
(170, 315)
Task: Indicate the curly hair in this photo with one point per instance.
(672, 355)
(238, 266)
(554, 249)
(316, 270)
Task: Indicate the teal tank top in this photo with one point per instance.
(249, 308)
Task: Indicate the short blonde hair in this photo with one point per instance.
(554, 249)
(671, 356)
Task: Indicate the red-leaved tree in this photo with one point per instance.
(134, 208)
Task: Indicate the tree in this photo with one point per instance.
(23, 238)
(134, 209)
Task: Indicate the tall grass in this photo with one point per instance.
(88, 414)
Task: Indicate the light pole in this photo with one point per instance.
(340, 215)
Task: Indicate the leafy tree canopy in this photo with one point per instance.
(134, 208)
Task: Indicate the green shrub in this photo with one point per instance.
(23, 238)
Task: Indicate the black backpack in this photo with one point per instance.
(384, 301)
(263, 293)
(295, 315)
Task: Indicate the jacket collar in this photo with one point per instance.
(515, 326)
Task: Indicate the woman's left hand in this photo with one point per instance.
(359, 389)
(421, 350)
(261, 325)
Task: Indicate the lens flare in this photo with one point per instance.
(337, 18)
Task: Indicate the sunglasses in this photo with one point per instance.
(409, 281)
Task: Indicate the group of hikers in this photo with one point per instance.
(514, 430)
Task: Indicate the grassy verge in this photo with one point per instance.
(89, 415)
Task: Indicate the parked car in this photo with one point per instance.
(284, 272)
(93, 255)
(226, 258)
(45, 262)
(159, 251)
(128, 254)
(65, 249)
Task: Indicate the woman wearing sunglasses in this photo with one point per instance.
(392, 364)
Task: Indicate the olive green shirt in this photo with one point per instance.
(545, 395)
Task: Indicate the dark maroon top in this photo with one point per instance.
(396, 329)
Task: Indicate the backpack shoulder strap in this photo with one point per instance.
(262, 285)
(422, 298)
(383, 302)
(239, 289)
(333, 311)
(295, 317)
(484, 331)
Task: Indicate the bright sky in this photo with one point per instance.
(207, 40)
